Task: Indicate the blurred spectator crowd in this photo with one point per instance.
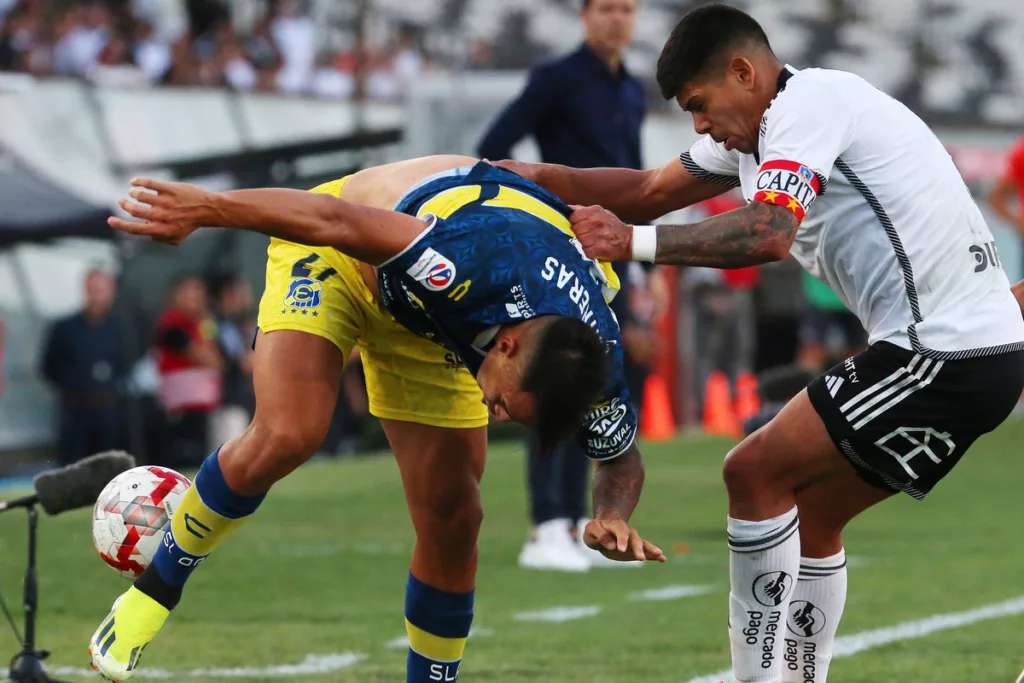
(143, 43)
(192, 388)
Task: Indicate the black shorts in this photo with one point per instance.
(904, 420)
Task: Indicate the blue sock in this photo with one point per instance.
(438, 624)
(208, 512)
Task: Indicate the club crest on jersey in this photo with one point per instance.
(304, 293)
(433, 270)
(789, 185)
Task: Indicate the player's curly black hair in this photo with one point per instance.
(700, 41)
(565, 375)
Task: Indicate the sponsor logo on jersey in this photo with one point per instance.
(608, 428)
(787, 184)
(433, 270)
(520, 307)
(304, 293)
(604, 420)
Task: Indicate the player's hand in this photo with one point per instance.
(616, 540)
(520, 168)
(602, 236)
(170, 211)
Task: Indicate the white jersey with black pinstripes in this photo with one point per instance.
(887, 221)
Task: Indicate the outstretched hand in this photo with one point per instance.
(169, 211)
(616, 540)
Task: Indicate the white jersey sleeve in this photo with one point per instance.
(806, 129)
(710, 161)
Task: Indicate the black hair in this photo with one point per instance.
(565, 375)
(700, 40)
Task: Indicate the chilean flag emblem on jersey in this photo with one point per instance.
(787, 184)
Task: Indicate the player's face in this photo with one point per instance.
(725, 106)
(609, 23)
(500, 378)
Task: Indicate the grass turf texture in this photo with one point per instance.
(321, 569)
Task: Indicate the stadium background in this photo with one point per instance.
(294, 93)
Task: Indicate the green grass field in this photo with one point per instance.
(321, 570)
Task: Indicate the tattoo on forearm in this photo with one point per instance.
(758, 233)
(617, 485)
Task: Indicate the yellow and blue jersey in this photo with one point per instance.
(499, 250)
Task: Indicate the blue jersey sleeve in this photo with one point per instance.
(611, 425)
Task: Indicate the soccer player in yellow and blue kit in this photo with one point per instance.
(477, 276)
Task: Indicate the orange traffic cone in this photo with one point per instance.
(747, 401)
(719, 416)
(657, 423)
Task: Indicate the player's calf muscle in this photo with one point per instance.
(265, 454)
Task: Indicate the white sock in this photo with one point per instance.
(763, 562)
(814, 613)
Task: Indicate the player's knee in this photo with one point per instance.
(452, 525)
(743, 471)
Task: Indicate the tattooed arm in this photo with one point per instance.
(755, 234)
(617, 486)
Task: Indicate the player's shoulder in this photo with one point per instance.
(819, 96)
(826, 90)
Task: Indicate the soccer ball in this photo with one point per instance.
(131, 515)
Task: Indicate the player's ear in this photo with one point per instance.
(508, 346)
(742, 70)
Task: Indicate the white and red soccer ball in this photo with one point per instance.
(131, 515)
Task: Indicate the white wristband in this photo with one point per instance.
(645, 242)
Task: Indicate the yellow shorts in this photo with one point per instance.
(321, 291)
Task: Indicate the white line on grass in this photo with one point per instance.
(671, 593)
(908, 630)
(312, 665)
(560, 614)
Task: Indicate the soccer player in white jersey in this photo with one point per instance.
(858, 190)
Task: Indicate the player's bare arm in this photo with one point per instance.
(617, 486)
(172, 211)
(635, 196)
(755, 234)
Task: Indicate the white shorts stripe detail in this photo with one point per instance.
(880, 384)
(917, 387)
(909, 373)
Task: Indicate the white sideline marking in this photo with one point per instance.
(671, 593)
(908, 630)
(402, 642)
(313, 664)
(560, 614)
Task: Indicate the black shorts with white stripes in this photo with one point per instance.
(904, 420)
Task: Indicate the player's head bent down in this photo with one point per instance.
(719, 66)
(545, 373)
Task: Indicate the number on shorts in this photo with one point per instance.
(302, 269)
